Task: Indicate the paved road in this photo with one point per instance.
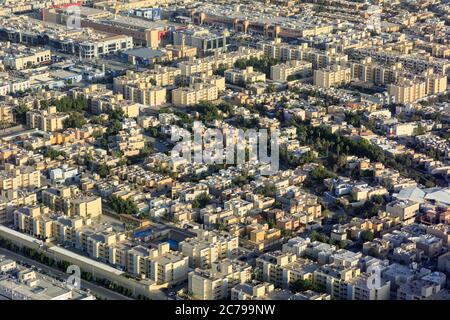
(16, 131)
(95, 289)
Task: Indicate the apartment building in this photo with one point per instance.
(115, 102)
(290, 70)
(252, 291)
(410, 90)
(332, 76)
(159, 76)
(77, 230)
(278, 50)
(208, 247)
(85, 206)
(296, 245)
(12, 84)
(417, 289)
(167, 266)
(336, 279)
(214, 80)
(187, 96)
(435, 83)
(129, 142)
(27, 219)
(22, 177)
(71, 201)
(6, 113)
(210, 63)
(358, 289)
(4, 87)
(216, 282)
(160, 265)
(46, 120)
(14, 198)
(370, 72)
(416, 63)
(244, 76)
(284, 268)
(145, 93)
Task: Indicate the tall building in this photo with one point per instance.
(291, 69)
(332, 76)
(12, 177)
(216, 282)
(46, 120)
(208, 247)
(194, 94)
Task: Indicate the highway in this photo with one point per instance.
(96, 290)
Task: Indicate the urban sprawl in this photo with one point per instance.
(101, 179)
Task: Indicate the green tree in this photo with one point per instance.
(103, 170)
(301, 285)
(201, 200)
(119, 205)
(20, 113)
(367, 235)
(75, 120)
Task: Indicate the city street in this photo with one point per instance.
(96, 290)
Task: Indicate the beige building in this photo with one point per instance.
(216, 283)
(186, 96)
(407, 90)
(278, 50)
(46, 120)
(214, 80)
(410, 90)
(115, 103)
(14, 198)
(145, 93)
(284, 268)
(71, 201)
(160, 265)
(166, 266)
(404, 209)
(336, 279)
(244, 76)
(182, 51)
(435, 83)
(86, 206)
(371, 72)
(129, 142)
(292, 68)
(222, 60)
(332, 76)
(252, 291)
(208, 247)
(417, 289)
(29, 58)
(12, 177)
(101, 242)
(159, 76)
(359, 290)
(33, 220)
(6, 114)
